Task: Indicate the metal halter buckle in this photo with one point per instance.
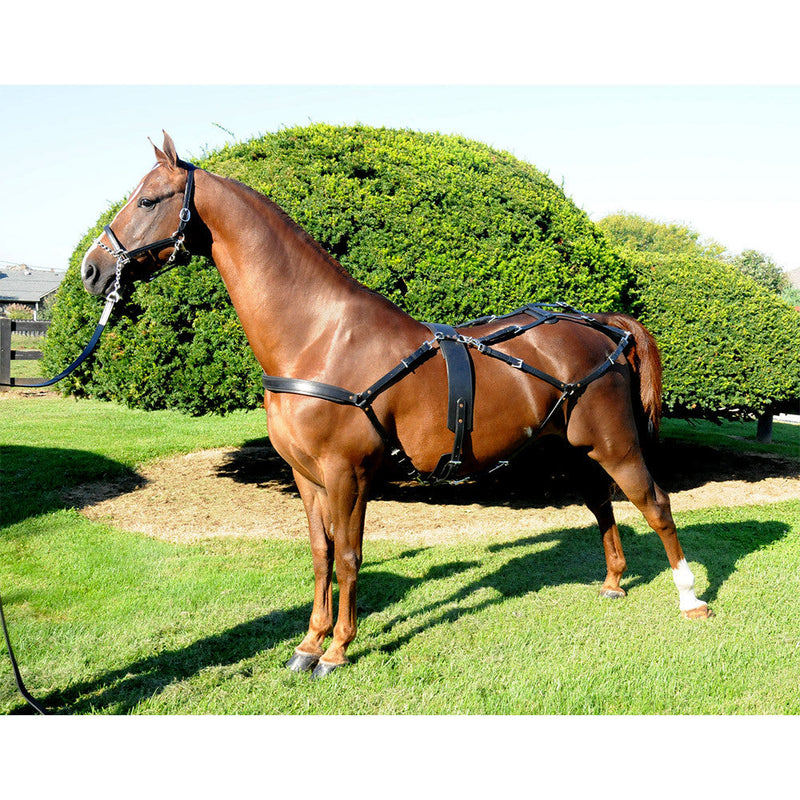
(178, 248)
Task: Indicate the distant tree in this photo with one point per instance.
(791, 294)
(761, 269)
(642, 235)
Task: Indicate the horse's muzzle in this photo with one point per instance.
(96, 280)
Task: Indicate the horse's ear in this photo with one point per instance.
(167, 157)
(169, 149)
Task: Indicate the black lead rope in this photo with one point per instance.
(17, 677)
(110, 301)
(98, 331)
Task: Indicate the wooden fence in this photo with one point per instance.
(7, 355)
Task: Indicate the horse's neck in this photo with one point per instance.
(290, 296)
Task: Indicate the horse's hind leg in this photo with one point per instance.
(595, 486)
(631, 475)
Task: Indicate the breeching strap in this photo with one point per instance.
(454, 347)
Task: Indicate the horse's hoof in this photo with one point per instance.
(302, 662)
(701, 612)
(322, 670)
(612, 594)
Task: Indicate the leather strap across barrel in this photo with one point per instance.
(455, 348)
(460, 396)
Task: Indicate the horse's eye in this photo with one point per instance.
(146, 202)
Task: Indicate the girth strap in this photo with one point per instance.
(460, 395)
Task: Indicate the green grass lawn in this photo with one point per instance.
(106, 621)
(736, 436)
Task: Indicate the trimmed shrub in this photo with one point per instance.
(730, 347)
(448, 229)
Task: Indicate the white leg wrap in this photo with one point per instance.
(684, 580)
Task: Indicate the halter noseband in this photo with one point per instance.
(175, 241)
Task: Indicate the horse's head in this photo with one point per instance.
(148, 231)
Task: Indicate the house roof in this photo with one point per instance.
(26, 285)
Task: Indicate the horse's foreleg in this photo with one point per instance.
(347, 494)
(633, 478)
(320, 626)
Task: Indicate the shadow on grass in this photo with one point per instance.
(34, 479)
(121, 690)
(575, 558)
(571, 556)
(540, 477)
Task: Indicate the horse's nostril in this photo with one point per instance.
(91, 276)
(90, 272)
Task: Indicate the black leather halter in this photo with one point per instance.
(175, 241)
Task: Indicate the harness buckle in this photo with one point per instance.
(471, 341)
(516, 363)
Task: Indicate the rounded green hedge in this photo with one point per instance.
(730, 347)
(447, 228)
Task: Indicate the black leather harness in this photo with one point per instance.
(454, 347)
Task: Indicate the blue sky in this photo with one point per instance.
(688, 113)
(721, 159)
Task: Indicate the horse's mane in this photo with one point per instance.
(298, 231)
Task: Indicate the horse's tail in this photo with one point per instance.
(645, 360)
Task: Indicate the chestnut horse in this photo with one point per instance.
(308, 321)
